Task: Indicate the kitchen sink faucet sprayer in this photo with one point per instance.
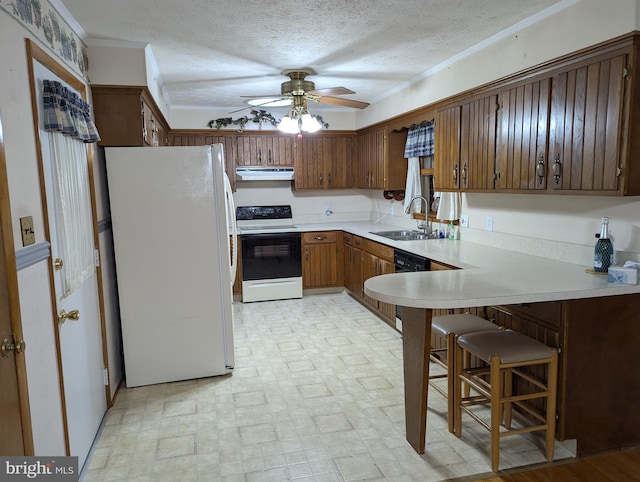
(426, 226)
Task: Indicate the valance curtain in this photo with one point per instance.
(419, 143)
(419, 140)
(65, 111)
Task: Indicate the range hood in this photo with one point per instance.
(264, 173)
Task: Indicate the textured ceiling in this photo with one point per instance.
(212, 52)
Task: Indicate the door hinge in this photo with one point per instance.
(626, 72)
(96, 258)
(105, 377)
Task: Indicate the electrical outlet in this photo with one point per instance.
(391, 210)
(464, 221)
(489, 223)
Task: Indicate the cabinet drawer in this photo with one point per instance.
(352, 240)
(380, 250)
(320, 237)
(548, 312)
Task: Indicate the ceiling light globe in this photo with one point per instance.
(288, 125)
(310, 123)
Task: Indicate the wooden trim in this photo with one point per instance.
(8, 258)
(35, 53)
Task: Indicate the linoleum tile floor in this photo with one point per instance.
(316, 395)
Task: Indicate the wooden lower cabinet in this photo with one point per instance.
(322, 259)
(598, 385)
(378, 260)
(353, 280)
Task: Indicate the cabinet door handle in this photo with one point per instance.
(540, 169)
(557, 169)
(329, 179)
(455, 175)
(306, 254)
(270, 159)
(321, 180)
(464, 174)
(260, 155)
(320, 238)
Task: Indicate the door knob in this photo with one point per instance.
(58, 264)
(72, 315)
(8, 346)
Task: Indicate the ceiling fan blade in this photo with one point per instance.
(331, 91)
(272, 96)
(356, 104)
(268, 101)
(240, 110)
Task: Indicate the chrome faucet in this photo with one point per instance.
(426, 226)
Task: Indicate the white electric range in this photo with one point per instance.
(271, 253)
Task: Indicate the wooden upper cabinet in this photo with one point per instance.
(372, 151)
(478, 144)
(446, 155)
(523, 120)
(264, 150)
(381, 162)
(587, 121)
(465, 145)
(324, 162)
(128, 116)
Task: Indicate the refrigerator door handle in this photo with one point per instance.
(231, 221)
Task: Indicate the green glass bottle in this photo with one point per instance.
(603, 251)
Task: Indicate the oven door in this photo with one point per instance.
(271, 256)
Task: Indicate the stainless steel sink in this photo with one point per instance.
(405, 235)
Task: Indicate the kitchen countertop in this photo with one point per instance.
(488, 275)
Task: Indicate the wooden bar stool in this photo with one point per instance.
(507, 353)
(450, 327)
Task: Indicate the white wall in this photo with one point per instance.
(308, 206)
(189, 118)
(566, 27)
(33, 282)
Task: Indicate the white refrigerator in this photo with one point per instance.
(173, 217)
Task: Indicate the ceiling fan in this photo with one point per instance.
(297, 91)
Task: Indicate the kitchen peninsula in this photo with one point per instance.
(599, 325)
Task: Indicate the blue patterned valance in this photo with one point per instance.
(419, 140)
(66, 112)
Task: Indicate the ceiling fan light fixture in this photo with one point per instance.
(289, 125)
(309, 123)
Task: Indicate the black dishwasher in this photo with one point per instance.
(406, 262)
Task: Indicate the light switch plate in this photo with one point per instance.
(28, 234)
(464, 221)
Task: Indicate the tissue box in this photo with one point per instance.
(623, 275)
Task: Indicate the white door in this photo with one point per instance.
(81, 346)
